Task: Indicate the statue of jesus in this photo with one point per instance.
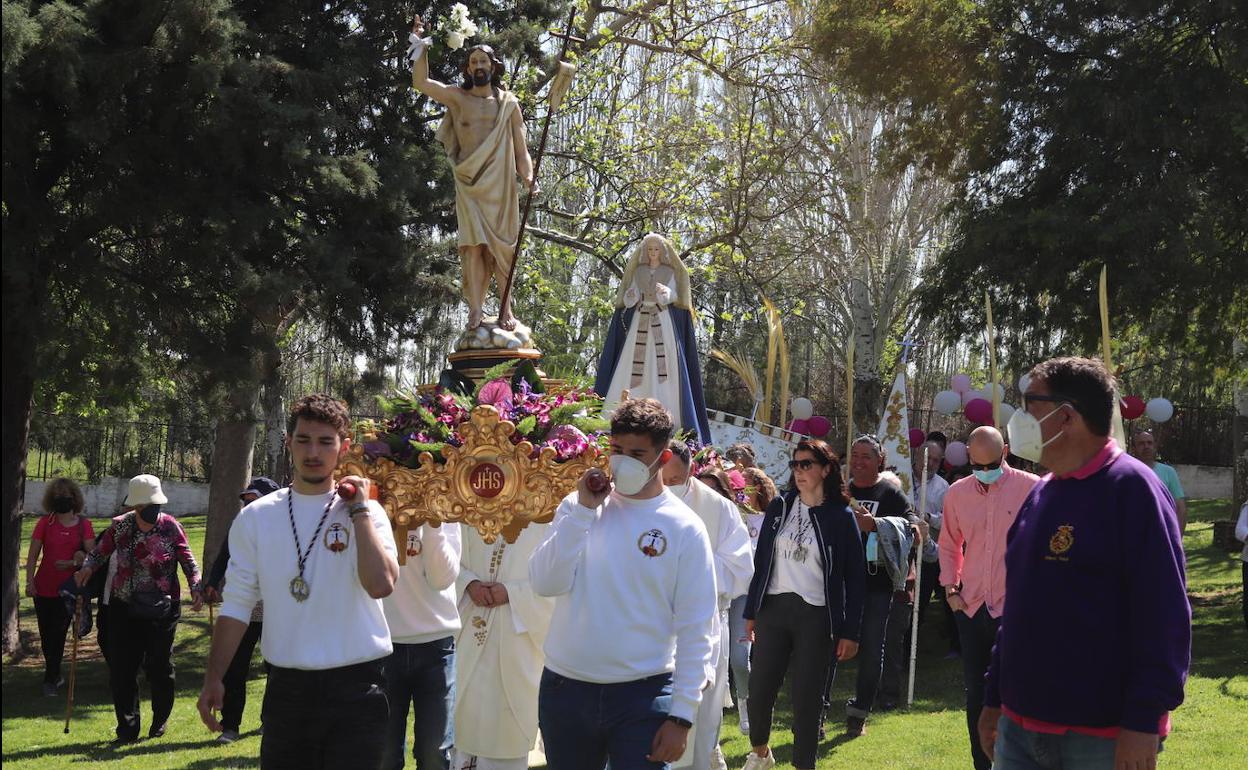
(483, 133)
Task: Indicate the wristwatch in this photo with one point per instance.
(685, 723)
(355, 508)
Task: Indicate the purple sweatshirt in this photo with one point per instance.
(1097, 629)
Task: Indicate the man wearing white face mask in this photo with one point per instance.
(978, 512)
(734, 566)
(1094, 644)
(628, 653)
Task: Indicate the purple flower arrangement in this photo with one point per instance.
(568, 421)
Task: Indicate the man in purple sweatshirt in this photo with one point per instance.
(1095, 640)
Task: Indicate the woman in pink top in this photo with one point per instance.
(63, 538)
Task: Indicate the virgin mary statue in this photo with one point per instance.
(650, 350)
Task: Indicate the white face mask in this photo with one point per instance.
(1025, 438)
(630, 474)
(680, 490)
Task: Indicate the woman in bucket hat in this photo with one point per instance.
(148, 546)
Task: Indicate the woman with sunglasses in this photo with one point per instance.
(805, 600)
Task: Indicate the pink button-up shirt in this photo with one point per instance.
(978, 516)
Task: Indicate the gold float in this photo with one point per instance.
(488, 483)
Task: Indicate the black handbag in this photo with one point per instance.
(150, 605)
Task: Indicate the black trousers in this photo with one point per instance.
(135, 644)
(324, 720)
(931, 585)
(235, 679)
(978, 634)
(795, 638)
(53, 628)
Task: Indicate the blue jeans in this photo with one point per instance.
(1018, 748)
(585, 724)
(738, 651)
(422, 677)
(876, 607)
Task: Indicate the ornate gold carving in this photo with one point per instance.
(443, 492)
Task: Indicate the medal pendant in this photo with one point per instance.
(799, 554)
(299, 588)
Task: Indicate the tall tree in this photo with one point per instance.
(1080, 134)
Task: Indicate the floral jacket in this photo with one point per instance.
(146, 561)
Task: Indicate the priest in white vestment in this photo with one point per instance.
(498, 655)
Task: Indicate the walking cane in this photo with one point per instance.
(211, 622)
(73, 663)
(918, 580)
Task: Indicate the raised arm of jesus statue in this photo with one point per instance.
(483, 133)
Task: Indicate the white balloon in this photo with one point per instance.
(802, 408)
(1000, 391)
(971, 395)
(947, 402)
(1023, 382)
(956, 454)
(1159, 409)
(1007, 411)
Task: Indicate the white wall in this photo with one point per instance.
(104, 499)
(1203, 481)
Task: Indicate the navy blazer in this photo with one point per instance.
(844, 562)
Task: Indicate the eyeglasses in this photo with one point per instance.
(985, 466)
(1056, 398)
(803, 464)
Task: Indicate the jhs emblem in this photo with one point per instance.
(336, 538)
(1063, 540)
(413, 544)
(652, 543)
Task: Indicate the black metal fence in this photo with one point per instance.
(88, 450)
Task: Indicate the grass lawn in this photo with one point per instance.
(1209, 729)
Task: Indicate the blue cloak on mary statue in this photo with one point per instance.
(650, 350)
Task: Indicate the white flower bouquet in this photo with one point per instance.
(453, 30)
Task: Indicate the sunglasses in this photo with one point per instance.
(803, 464)
(985, 466)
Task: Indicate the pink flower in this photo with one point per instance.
(736, 479)
(496, 393)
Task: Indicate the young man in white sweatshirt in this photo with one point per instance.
(321, 564)
(629, 649)
(420, 673)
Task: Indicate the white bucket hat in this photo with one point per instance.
(145, 490)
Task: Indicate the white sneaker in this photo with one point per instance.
(744, 715)
(755, 762)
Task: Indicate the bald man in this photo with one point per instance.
(978, 513)
(1144, 446)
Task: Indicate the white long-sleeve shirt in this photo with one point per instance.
(730, 540)
(635, 588)
(422, 607)
(339, 624)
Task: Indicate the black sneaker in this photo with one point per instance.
(855, 727)
(122, 740)
(157, 731)
(49, 690)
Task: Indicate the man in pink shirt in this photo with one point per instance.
(979, 510)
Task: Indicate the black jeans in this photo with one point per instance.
(53, 628)
(139, 643)
(978, 634)
(930, 585)
(324, 720)
(235, 679)
(876, 608)
(895, 674)
(790, 636)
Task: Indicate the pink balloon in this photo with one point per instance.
(960, 383)
(979, 411)
(800, 426)
(819, 425)
(971, 395)
(917, 437)
(956, 454)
